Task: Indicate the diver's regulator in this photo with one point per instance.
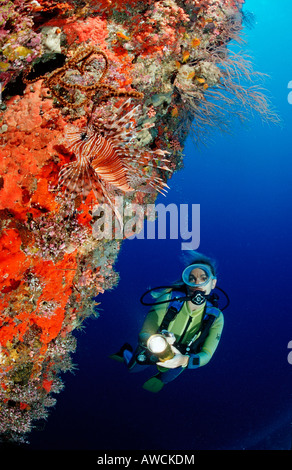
(198, 297)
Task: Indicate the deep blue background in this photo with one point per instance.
(242, 398)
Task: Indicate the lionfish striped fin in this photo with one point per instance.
(108, 164)
(79, 179)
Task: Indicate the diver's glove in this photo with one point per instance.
(170, 337)
(178, 360)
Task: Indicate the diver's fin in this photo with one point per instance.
(119, 356)
(154, 385)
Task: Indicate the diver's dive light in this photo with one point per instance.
(160, 347)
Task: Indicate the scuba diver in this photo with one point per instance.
(182, 329)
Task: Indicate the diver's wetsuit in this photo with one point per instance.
(178, 325)
(184, 326)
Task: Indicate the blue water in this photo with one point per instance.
(242, 398)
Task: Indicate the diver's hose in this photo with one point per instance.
(181, 299)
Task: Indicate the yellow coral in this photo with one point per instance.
(3, 66)
(22, 51)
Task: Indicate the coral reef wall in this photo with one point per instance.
(98, 98)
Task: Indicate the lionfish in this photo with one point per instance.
(107, 159)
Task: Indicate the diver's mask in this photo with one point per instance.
(197, 276)
(198, 279)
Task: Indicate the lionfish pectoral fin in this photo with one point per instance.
(113, 173)
(77, 178)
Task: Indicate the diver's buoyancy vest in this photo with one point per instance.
(209, 316)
